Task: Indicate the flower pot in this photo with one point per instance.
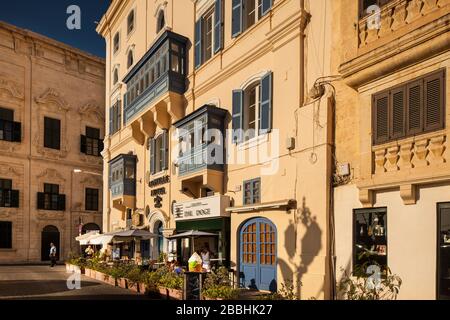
(175, 294)
(142, 288)
(122, 282)
(69, 268)
(163, 292)
(110, 280)
(77, 269)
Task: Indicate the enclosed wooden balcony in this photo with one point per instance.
(122, 181)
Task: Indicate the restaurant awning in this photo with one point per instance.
(86, 238)
(193, 233)
(131, 234)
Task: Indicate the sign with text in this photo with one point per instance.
(203, 208)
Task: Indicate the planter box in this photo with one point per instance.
(175, 294)
(110, 280)
(99, 276)
(133, 287)
(218, 299)
(123, 283)
(163, 292)
(69, 268)
(88, 272)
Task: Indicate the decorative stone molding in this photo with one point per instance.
(92, 110)
(428, 150)
(52, 102)
(53, 96)
(51, 215)
(6, 170)
(52, 176)
(11, 88)
(92, 180)
(408, 194)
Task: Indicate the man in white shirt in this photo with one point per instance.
(52, 255)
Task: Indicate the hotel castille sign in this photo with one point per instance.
(158, 192)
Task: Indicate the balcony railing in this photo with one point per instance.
(9, 198)
(162, 69)
(392, 16)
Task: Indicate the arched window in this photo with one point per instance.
(115, 76)
(161, 21)
(130, 59)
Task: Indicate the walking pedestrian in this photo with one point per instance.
(52, 255)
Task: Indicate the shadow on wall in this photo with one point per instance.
(310, 244)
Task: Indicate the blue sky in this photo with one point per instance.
(48, 17)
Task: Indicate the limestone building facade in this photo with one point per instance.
(391, 200)
(51, 131)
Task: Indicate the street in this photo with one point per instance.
(45, 283)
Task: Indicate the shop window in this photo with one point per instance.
(252, 191)
(209, 34)
(370, 240)
(245, 13)
(52, 133)
(91, 199)
(409, 109)
(252, 110)
(50, 199)
(116, 41)
(5, 235)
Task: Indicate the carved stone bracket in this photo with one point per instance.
(366, 197)
(392, 158)
(420, 153)
(437, 149)
(406, 156)
(408, 194)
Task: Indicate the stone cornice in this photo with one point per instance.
(422, 43)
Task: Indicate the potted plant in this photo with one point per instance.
(134, 277)
(173, 284)
(217, 286)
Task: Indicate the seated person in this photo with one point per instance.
(177, 268)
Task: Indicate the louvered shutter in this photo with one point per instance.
(14, 198)
(198, 43)
(41, 200)
(17, 132)
(111, 121)
(165, 150)
(265, 7)
(218, 26)
(62, 202)
(238, 116)
(83, 144)
(265, 114)
(434, 102)
(152, 156)
(236, 22)
(414, 114)
(380, 114)
(397, 113)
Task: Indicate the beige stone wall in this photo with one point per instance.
(41, 77)
(302, 174)
(416, 43)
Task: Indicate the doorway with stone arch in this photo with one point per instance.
(50, 234)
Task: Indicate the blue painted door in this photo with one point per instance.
(258, 255)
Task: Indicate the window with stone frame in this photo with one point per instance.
(52, 133)
(91, 199)
(252, 191)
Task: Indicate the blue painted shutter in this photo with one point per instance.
(266, 6)
(152, 156)
(236, 23)
(265, 112)
(198, 43)
(218, 26)
(238, 115)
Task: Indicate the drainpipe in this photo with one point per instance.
(303, 22)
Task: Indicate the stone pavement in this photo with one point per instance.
(44, 283)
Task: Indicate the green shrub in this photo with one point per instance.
(221, 292)
(287, 292)
(172, 281)
(134, 275)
